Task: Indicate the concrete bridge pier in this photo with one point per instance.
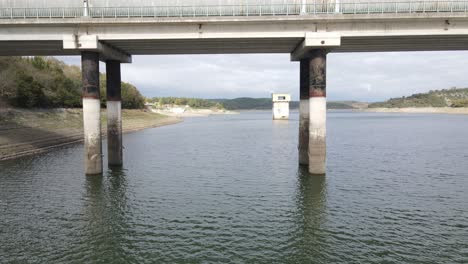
(114, 113)
(304, 113)
(317, 111)
(91, 112)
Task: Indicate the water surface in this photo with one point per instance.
(228, 189)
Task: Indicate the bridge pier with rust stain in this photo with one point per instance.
(91, 112)
(303, 145)
(317, 111)
(114, 113)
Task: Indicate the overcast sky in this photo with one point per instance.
(350, 76)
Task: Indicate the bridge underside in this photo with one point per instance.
(287, 45)
(241, 46)
(216, 35)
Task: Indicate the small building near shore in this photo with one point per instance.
(281, 106)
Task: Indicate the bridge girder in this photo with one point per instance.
(119, 38)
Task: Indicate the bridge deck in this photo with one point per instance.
(402, 31)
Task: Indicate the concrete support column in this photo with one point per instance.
(114, 113)
(317, 111)
(91, 112)
(304, 113)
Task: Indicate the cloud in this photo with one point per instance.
(350, 76)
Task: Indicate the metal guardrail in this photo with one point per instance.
(375, 7)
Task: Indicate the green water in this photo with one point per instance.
(227, 189)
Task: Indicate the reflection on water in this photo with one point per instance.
(312, 199)
(311, 215)
(226, 189)
(105, 212)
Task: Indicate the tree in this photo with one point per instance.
(131, 97)
(48, 82)
(7, 83)
(39, 62)
(29, 92)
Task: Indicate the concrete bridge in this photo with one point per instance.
(306, 29)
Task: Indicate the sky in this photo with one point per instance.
(366, 77)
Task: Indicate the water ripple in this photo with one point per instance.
(227, 189)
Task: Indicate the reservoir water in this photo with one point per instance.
(227, 189)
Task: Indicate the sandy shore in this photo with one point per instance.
(421, 110)
(27, 132)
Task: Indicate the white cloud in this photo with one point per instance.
(351, 76)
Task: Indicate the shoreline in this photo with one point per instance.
(419, 110)
(195, 112)
(25, 132)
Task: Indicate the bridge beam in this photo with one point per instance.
(315, 40)
(303, 146)
(91, 112)
(114, 113)
(92, 43)
(317, 111)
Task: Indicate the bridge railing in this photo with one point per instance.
(343, 8)
(55, 12)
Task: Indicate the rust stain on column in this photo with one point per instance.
(318, 73)
(90, 74)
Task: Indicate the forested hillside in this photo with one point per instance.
(49, 83)
(246, 103)
(454, 97)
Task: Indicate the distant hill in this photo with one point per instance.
(454, 97)
(181, 101)
(247, 103)
(346, 105)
